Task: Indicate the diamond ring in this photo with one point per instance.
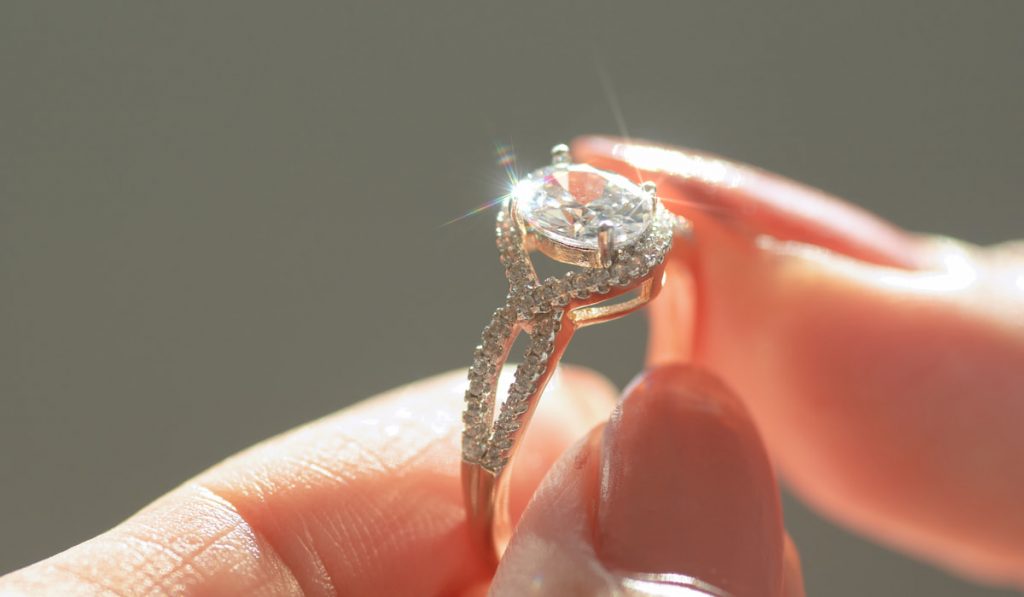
(617, 233)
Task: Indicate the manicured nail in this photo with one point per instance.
(687, 492)
(701, 185)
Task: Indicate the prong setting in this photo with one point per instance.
(560, 155)
(605, 243)
(650, 187)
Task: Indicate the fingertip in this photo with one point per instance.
(792, 570)
(686, 486)
(672, 318)
(675, 492)
(551, 551)
(574, 402)
(585, 398)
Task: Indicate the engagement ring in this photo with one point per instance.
(617, 233)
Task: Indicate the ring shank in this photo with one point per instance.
(485, 491)
(486, 497)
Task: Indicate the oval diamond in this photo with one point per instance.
(570, 203)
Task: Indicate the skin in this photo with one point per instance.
(880, 371)
(882, 368)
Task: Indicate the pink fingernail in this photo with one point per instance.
(686, 487)
(697, 184)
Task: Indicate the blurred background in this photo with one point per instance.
(220, 220)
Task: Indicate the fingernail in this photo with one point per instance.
(686, 488)
(705, 186)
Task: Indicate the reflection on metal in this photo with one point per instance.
(669, 585)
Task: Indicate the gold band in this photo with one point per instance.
(486, 490)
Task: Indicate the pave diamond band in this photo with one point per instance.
(619, 233)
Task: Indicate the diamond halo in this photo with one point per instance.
(637, 232)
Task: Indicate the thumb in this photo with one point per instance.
(673, 496)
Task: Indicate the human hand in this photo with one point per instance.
(368, 501)
(883, 369)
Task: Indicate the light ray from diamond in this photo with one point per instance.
(506, 155)
(480, 208)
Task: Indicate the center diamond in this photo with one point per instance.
(569, 203)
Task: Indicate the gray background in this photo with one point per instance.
(219, 221)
